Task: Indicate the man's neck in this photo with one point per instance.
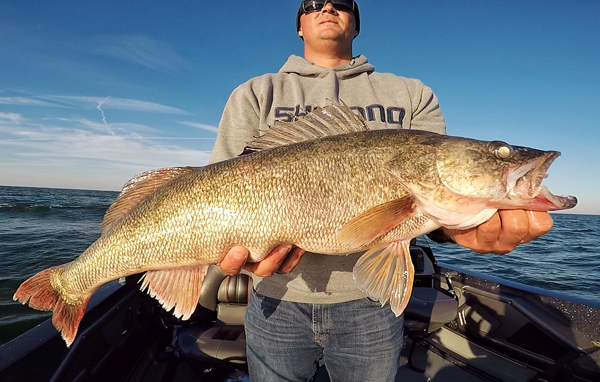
(329, 57)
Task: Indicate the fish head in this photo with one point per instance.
(479, 170)
(469, 180)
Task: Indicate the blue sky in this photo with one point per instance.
(94, 92)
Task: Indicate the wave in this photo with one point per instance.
(35, 208)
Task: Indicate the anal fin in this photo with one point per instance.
(177, 288)
(387, 274)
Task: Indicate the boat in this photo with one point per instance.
(459, 326)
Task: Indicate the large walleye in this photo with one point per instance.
(324, 183)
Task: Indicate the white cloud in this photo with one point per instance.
(24, 101)
(81, 153)
(201, 126)
(113, 103)
(14, 118)
(86, 139)
(141, 50)
(92, 102)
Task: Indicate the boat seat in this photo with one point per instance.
(225, 341)
(428, 310)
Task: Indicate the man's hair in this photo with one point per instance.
(356, 18)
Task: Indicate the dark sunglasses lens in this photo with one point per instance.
(312, 6)
(342, 5)
(316, 5)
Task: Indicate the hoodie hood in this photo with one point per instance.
(305, 68)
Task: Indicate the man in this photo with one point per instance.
(303, 310)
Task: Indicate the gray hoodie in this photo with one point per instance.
(386, 101)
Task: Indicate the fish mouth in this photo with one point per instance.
(525, 189)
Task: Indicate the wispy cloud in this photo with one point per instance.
(85, 139)
(24, 101)
(99, 108)
(92, 102)
(78, 152)
(79, 144)
(14, 118)
(141, 50)
(115, 103)
(201, 126)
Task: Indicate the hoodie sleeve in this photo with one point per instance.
(426, 114)
(239, 124)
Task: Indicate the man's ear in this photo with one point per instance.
(300, 32)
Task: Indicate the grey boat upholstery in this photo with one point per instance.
(428, 310)
(429, 307)
(225, 341)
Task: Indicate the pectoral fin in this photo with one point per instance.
(177, 288)
(369, 225)
(387, 274)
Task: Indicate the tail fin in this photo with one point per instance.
(39, 293)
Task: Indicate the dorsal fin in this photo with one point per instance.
(139, 188)
(321, 122)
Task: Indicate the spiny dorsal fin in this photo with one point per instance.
(321, 122)
(139, 188)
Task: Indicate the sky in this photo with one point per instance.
(94, 92)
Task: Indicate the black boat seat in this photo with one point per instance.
(225, 341)
(428, 310)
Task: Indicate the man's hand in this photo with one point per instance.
(282, 259)
(503, 231)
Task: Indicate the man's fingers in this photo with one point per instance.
(291, 260)
(233, 262)
(271, 263)
(513, 231)
(539, 224)
(504, 231)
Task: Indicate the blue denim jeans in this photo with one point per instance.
(358, 340)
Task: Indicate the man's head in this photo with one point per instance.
(348, 7)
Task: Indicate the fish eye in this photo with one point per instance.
(502, 150)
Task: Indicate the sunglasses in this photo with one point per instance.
(309, 6)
